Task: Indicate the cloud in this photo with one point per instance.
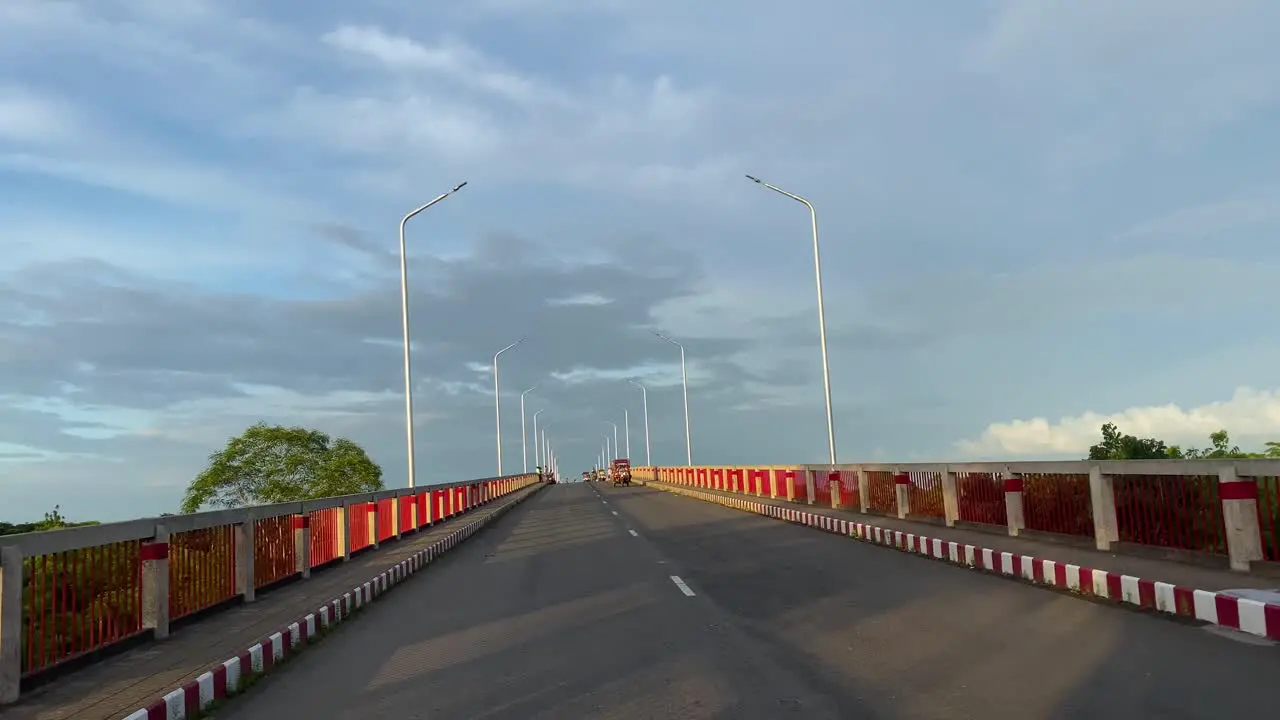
(1026, 211)
(1250, 415)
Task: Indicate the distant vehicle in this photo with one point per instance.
(621, 471)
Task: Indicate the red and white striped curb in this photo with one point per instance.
(225, 680)
(1251, 616)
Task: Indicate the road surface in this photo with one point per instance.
(590, 601)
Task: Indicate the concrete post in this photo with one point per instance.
(950, 499)
(245, 532)
(810, 486)
(1240, 517)
(837, 495)
(302, 544)
(344, 531)
(154, 555)
(773, 483)
(375, 531)
(397, 530)
(864, 491)
(901, 488)
(1102, 495)
(10, 623)
(1013, 502)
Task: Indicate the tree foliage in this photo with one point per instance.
(1117, 446)
(53, 520)
(273, 464)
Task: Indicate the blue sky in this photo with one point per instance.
(1035, 217)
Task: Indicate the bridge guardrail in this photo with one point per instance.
(68, 595)
(1228, 508)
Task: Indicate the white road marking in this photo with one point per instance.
(634, 533)
(681, 584)
(615, 512)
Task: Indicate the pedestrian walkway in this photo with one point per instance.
(1170, 571)
(119, 685)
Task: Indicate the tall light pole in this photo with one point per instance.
(497, 400)
(626, 419)
(684, 380)
(608, 451)
(404, 320)
(822, 318)
(645, 394)
(536, 461)
(524, 449)
(543, 441)
(615, 438)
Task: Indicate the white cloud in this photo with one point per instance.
(1248, 415)
(1214, 221)
(28, 117)
(591, 299)
(1114, 76)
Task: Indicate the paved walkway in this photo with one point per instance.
(1178, 573)
(119, 685)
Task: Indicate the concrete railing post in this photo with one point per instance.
(397, 531)
(1013, 502)
(154, 556)
(810, 486)
(1102, 496)
(10, 623)
(344, 531)
(1240, 517)
(773, 483)
(245, 532)
(864, 491)
(837, 493)
(902, 491)
(374, 523)
(950, 500)
(302, 544)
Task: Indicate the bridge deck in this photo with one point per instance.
(560, 611)
(119, 685)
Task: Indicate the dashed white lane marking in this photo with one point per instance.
(681, 584)
(634, 533)
(615, 512)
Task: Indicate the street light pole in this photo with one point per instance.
(684, 381)
(404, 320)
(822, 318)
(626, 419)
(644, 392)
(497, 400)
(615, 438)
(524, 448)
(536, 461)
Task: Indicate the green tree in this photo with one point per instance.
(1116, 446)
(273, 464)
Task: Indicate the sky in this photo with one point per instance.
(1035, 218)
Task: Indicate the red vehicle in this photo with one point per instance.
(621, 471)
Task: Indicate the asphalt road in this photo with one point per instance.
(564, 609)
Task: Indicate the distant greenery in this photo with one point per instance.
(274, 464)
(53, 520)
(1117, 446)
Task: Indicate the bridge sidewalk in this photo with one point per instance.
(119, 685)
(1196, 576)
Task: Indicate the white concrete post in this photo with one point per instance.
(1102, 496)
(950, 500)
(10, 623)
(1240, 517)
(1013, 502)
